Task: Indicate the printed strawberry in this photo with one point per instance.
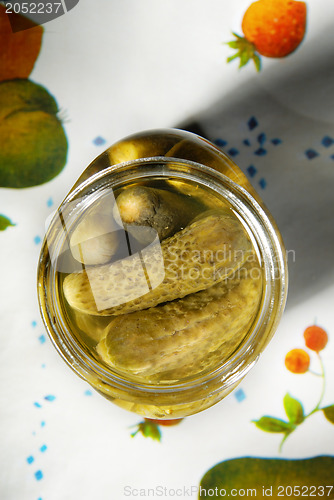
(165, 422)
(272, 28)
(151, 427)
(148, 429)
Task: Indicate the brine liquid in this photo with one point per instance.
(163, 334)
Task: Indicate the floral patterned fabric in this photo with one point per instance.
(103, 70)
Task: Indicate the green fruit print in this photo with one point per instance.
(270, 477)
(33, 144)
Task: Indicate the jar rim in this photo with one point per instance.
(272, 252)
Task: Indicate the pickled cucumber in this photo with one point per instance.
(164, 211)
(179, 338)
(202, 254)
(92, 327)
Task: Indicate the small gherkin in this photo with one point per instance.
(193, 259)
(185, 336)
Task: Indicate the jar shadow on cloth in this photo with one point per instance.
(279, 128)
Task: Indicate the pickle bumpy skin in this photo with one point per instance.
(202, 254)
(183, 337)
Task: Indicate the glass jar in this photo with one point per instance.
(162, 309)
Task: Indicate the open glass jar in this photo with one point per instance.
(162, 275)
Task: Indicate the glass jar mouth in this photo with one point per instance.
(265, 236)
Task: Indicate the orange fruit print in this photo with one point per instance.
(297, 361)
(315, 337)
(272, 28)
(19, 50)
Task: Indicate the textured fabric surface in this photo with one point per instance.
(115, 68)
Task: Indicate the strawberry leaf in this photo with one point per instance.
(148, 429)
(329, 413)
(231, 58)
(293, 409)
(244, 58)
(257, 62)
(272, 424)
(237, 36)
(233, 44)
(245, 51)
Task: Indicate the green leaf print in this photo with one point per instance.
(294, 409)
(5, 222)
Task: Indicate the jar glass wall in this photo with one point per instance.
(162, 279)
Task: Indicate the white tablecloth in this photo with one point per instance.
(117, 67)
